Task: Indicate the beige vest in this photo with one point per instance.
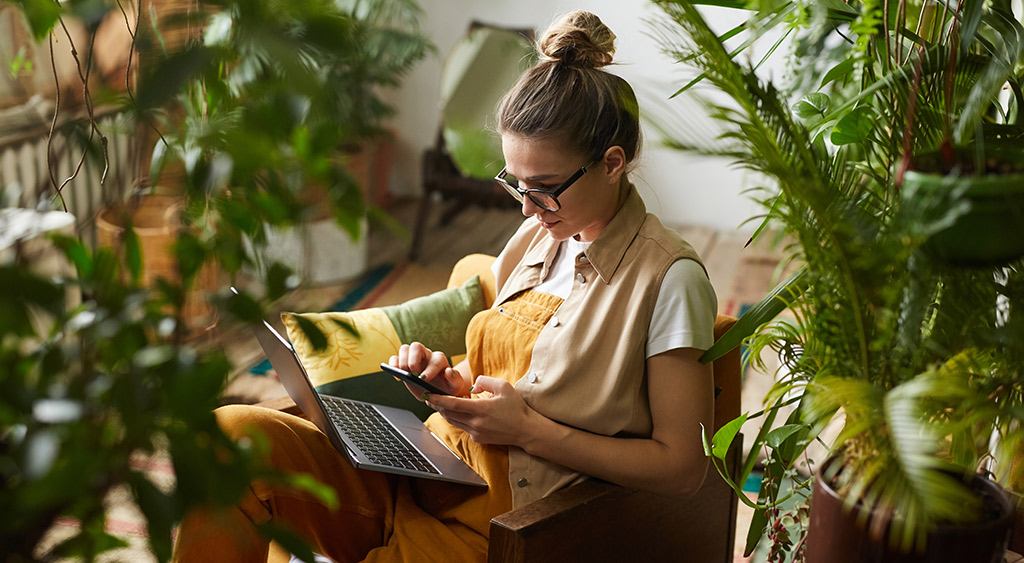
(589, 366)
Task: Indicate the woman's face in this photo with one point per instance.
(586, 206)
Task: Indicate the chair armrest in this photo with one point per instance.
(553, 528)
(599, 521)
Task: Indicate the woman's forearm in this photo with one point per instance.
(642, 463)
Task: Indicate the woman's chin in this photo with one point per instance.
(556, 230)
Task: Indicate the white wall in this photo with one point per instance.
(681, 189)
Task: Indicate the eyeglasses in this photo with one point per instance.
(545, 199)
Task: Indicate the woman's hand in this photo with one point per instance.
(501, 418)
(430, 366)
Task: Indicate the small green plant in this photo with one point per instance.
(19, 64)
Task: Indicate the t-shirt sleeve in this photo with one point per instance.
(684, 314)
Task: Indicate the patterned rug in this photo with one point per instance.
(124, 519)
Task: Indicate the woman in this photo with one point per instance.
(586, 364)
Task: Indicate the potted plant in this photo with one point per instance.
(914, 352)
(248, 110)
(382, 45)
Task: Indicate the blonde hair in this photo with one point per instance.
(567, 96)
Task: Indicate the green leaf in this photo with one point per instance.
(158, 159)
(19, 63)
(306, 482)
(21, 288)
(763, 311)
(758, 522)
(812, 105)
(840, 71)
(840, 10)
(973, 10)
(190, 254)
(735, 4)
(133, 254)
(169, 75)
(88, 541)
(278, 280)
(159, 510)
(76, 253)
(243, 306)
(725, 435)
(777, 436)
(41, 15)
(854, 127)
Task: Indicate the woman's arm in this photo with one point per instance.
(671, 461)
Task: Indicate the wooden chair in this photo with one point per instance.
(600, 521)
(460, 167)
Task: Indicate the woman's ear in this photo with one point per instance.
(614, 160)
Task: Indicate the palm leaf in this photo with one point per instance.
(762, 312)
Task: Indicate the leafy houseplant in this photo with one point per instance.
(254, 107)
(914, 347)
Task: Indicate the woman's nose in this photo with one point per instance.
(530, 208)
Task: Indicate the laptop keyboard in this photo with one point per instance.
(375, 436)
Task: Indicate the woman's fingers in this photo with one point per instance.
(431, 366)
(418, 357)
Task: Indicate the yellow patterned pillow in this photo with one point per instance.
(355, 343)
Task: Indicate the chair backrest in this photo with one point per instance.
(477, 72)
(728, 377)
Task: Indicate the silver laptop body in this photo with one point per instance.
(329, 415)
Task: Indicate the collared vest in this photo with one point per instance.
(588, 368)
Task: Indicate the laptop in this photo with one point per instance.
(369, 435)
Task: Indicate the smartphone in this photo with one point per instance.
(412, 379)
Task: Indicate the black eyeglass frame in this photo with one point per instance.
(518, 193)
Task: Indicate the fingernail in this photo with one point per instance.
(471, 388)
(422, 376)
(424, 397)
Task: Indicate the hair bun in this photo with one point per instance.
(578, 39)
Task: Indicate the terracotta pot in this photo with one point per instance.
(156, 220)
(839, 536)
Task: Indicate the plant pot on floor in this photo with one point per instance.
(319, 250)
(837, 535)
(156, 219)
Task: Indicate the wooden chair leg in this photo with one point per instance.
(416, 246)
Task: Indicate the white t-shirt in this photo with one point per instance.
(684, 314)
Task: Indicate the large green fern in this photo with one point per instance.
(914, 353)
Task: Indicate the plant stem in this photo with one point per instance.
(53, 126)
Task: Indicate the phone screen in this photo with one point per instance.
(412, 379)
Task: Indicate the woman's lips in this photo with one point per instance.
(546, 224)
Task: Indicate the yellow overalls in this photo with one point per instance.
(381, 517)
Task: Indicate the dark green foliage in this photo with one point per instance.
(919, 353)
(254, 111)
